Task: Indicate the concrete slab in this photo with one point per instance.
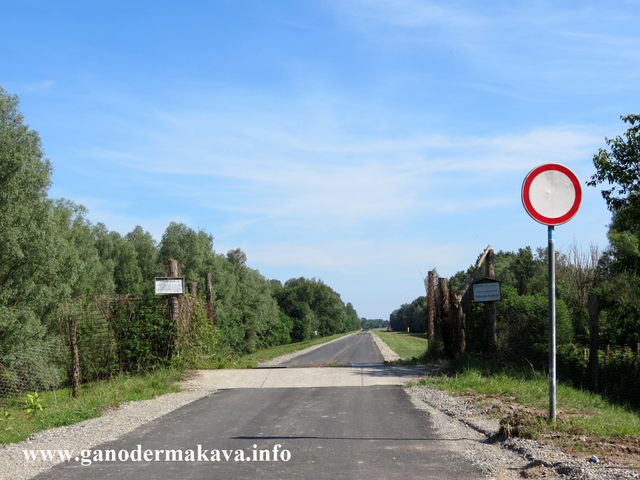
(354, 376)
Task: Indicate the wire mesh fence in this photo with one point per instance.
(39, 368)
(522, 342)
(114, 334)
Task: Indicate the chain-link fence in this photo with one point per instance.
(41, 367)
(522, 342)
(114, 334)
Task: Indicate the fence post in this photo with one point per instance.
(490, 309)
(75, 357)
(457, 321)
(431, 303)
(445, 317)
(193, 288)
(209, 299)
(592, 301)
(173, 300)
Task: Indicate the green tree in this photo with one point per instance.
(193, 250)
(148, 254)
(28, 235)
(81, 270)
(620, 167)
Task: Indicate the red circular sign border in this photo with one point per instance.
(527, 201)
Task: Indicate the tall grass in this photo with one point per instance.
(60, 409)
(582, 410)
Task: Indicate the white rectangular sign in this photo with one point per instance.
(169, 286)
(487, 292)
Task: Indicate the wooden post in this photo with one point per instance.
(592, 301)
(458, 298)
(75, 358)
(209, 299)
(607, 352)
(445, 319)
(431, 303)
(457, 322)
(174, 272)
(193, 288)
(490, 309)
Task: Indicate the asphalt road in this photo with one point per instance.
(358, 349)
(350, 432)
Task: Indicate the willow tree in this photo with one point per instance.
(28, 234)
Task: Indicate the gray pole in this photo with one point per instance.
(552, 325)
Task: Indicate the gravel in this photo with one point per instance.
(475, 437)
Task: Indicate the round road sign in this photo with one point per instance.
(551, 194)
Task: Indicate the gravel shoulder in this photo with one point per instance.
(474, 434)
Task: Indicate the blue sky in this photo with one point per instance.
(362, 142)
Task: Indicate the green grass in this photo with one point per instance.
(578, 411)
(60, 409)
(407, 345)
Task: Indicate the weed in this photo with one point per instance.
(32, 404)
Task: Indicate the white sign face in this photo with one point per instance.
(487, 292)
(169, 286)
(551, 194)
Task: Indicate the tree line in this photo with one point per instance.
(613, 274)
(51, 253)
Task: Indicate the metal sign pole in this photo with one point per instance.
(551, 194)
(552, 325)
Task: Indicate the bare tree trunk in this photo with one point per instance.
(592, 301)
(209, 299)
(431, 303)
(445, 316)
(457, 322)
(490, 309)
(75, 358)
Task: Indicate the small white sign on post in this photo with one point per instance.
(484, 291)
(169, 286)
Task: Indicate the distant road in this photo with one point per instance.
(352, 349)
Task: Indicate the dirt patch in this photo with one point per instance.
(111, 406)
(529, 422)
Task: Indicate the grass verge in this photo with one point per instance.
(60, 409)
(586, 422)
(408, 345)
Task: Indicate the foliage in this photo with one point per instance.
(199, 344)
(28, 239)
(619, 167)
(368, 324)
(412, 316)
(32, 404)
(314, 307)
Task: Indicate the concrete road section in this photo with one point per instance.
(292, 433)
